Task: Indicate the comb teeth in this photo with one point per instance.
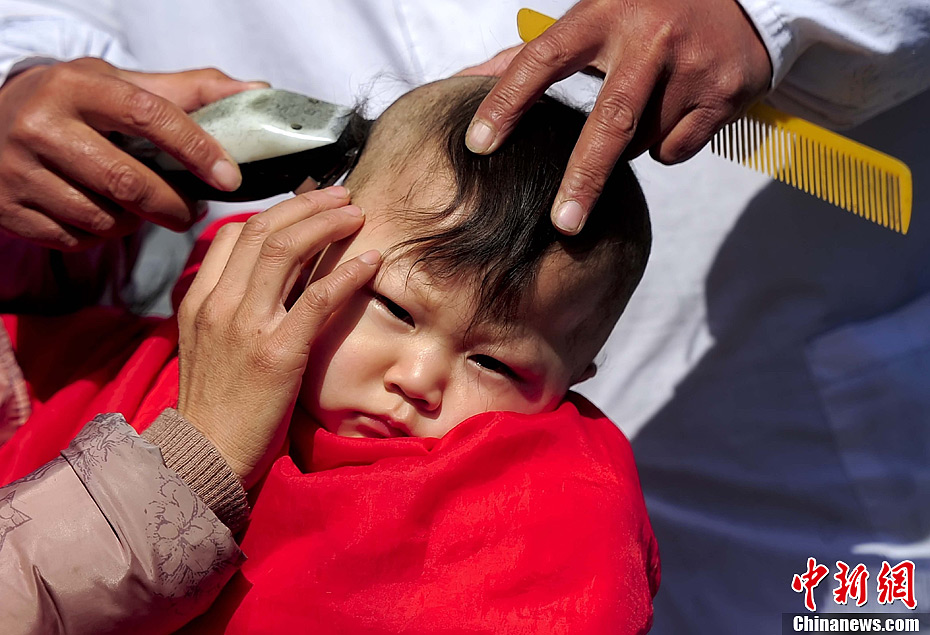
(813, 159)
(833, 168)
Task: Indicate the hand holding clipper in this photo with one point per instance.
(279, 139)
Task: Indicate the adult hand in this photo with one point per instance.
(675, 72)
(64, 185)
(242, 351)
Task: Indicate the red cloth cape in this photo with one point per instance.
(508, 524)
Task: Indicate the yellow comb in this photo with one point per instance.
(815, 160)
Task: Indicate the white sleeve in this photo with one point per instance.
(35, 32)
(840, 62)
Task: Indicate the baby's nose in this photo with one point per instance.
(420, 377)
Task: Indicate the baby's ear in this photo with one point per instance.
(589, 372)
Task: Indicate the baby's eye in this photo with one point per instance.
(396, 310)
(495, 366)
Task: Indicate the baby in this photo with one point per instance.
(508, 505)
(480, 303)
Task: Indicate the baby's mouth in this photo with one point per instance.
(381, 427)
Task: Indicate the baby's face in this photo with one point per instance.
(399, 359)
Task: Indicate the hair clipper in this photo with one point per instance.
(278, 138)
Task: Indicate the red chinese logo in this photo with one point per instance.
(896, 583)
(852, 583)
(808, 581)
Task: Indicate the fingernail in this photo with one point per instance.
(339, 191)
(254, 85)
(227, 175)
(479, 137)
(354, 210)
(201, 210)
(371, 257)
(569, 217)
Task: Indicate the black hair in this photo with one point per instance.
(505, 231)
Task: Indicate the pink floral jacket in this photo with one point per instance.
(106, 538)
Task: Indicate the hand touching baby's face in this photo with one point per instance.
(405, 358)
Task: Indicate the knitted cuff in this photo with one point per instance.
(197, 461)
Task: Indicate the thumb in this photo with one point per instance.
(191, 90)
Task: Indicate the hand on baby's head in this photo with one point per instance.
(480, 304)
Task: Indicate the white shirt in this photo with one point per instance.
(773, 369)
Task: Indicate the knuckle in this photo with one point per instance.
(277, 247)
(189, 315)
(730, 84)
(547, 52)
(236, 330)
(256, 228)
(667, 32)
(312, 202)
(319, 295)
(198, 149)
(585, 181)
(144, 109)
(615, 116)
(98, 222)
(123, 183)
(207, 315)
(214, 73)
(83, 65)
(30, 126)
(693, 66)
(66, 74)
(186, 313)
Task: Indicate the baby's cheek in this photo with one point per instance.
(527, 397)
(486, 394)
(342, 362)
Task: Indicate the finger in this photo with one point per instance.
(285, 252)
(568, 46)
(241, 262)
(689, 135)
(211, 269)
(495, 66)
(134, 111)
(605, 135)
(70, 204)
(191, 90)
(93, 162)
(323, 297)
(36, 227)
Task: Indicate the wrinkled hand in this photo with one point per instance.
(242, 351)
(675, 72)
(64, 185)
